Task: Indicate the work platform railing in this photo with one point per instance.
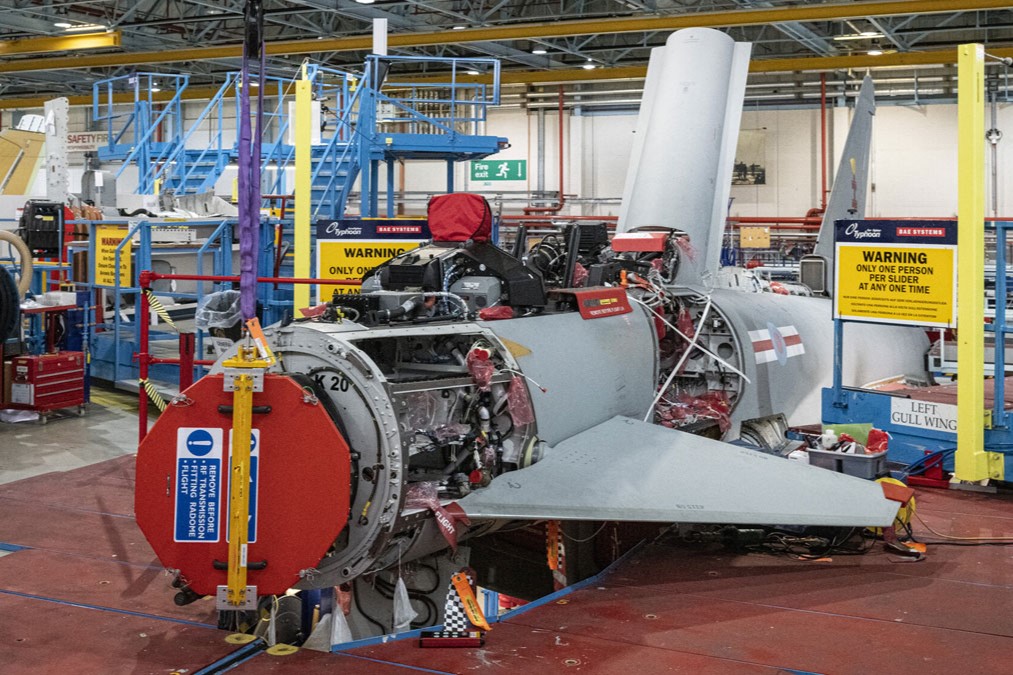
(144, 132)
(398, 107)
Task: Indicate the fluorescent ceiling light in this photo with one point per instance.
(875, 52)
(588, 66)
(155, 90)
(459, 27)
(865, 35)
(63, 24)
(473, 72)
(539, 51)
(365, 2)
(90, 27)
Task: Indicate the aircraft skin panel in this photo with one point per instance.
(651, 85)
(793, 383)
(737, 76)
(629, 470)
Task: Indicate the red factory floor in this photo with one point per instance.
(87, 595)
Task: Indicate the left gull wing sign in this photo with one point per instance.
(625, 469)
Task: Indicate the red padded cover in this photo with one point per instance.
(459, 217)
(301, 485)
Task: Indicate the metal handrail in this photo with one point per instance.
(349, 149)
(315, 74)
(142, 136)
(177, 160)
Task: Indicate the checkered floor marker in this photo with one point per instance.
(454, 616)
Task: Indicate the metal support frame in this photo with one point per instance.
(530, 31)
(241, 374)
(1000, 328)
(971, 463)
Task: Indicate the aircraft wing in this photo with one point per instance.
(625, 469)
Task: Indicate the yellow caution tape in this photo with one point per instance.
(159, 309)
(153, 394)
(471, 608)
(552, 543)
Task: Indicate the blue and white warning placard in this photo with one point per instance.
(251, 533)
(198, 484)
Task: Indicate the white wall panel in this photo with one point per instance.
(913, 162)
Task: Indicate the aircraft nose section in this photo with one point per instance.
(298, 493)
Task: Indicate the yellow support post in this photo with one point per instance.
(239, 484)
(303, 187)
(971, 461)
(244, 375)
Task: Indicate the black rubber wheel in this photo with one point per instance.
(10, 306)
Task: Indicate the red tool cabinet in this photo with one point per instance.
(48, 382)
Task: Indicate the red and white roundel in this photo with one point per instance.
(776, 343)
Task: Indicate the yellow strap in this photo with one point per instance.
(159, 309)
(239, 498)
(153, 394)
(471, 608)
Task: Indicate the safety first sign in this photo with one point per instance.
(896, 271)
(348, 248)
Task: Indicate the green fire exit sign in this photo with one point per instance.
(500, 169)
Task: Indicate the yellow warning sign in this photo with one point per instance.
(900, 284)
(352, 259)
(106, 240)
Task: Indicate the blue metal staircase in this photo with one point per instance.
(368, 118)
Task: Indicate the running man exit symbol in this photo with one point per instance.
(504, 169)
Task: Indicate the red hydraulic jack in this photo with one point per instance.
(934, 476)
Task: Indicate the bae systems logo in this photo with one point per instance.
(399, 229)
(921, 232)
(335, 229)
(871, 233)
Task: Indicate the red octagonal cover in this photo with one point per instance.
(299, 488)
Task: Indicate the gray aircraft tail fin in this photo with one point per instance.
(851, 182)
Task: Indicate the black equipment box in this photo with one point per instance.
(41, 227)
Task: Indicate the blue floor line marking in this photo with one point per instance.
(100, 608)
(239, 662)
(223, 664)
(380, 639)
(418, 669)
(4, 546)
(147, 566)
(61, 507)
